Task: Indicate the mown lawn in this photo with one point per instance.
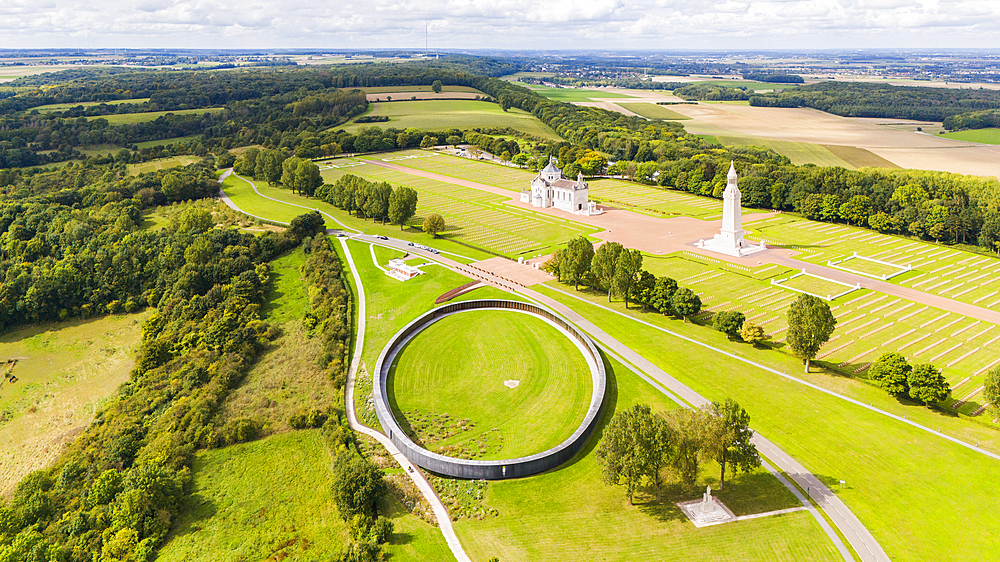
(438, 115)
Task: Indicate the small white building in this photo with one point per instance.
(551, 188)
(399, 269)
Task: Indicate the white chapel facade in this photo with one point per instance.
(551, 188)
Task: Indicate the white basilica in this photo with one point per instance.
(551, 188)
(730, 240)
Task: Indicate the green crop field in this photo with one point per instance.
(888, 466)
(64, 374)
(576, 94)
(272, 499)
(130, 118)
(65, 106)
(652, 111)
(798, 152)
(461, 366)
(653, 201)
(167, 142)
(447, 114)
(162, 164)
(859, 157)
(476, 217)
(982, 136)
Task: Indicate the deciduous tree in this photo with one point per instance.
(627, 267)
(729, 439)
(402, 205)
(810, 324)
(729, 322)
(685, 303)
(602, 267)
(891, 371)
(752, 333)
(574, 262)
(991, 391)
(433, 224)
(927, 384)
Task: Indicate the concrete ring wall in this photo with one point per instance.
(496, 469)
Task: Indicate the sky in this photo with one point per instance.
(501, 24)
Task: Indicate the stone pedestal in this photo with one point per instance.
(707, 511)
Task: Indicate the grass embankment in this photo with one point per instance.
(65, 372)
(888, 466)
(652, 111)
(982, 136)
(461, 365)
(439, 115)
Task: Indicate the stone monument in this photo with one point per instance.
(707, 511)
(730, 240)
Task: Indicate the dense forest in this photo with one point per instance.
(856, 99)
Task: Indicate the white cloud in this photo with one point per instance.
(517, 24)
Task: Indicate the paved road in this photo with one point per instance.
(440, 511)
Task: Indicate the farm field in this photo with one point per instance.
(523, 386)
(570, 514)
(576, 94)
(904, 148)
(832, 438)
(868, 323)
(653, 111)
(285, 206)
(65, 372)
(272, 499)
(982, 136)
(166, 142)
(446, 114)
(749, 84)
(162, 164)
(130, 118)
(798, 152)
(569, 511)
(476, 217)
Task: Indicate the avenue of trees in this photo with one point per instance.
(640, 447)
(371, 200)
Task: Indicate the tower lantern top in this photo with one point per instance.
(732, 172)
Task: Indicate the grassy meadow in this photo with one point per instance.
(65, 372)
(481, 171)
(162, 164)
(460, 365)
(576, 94)
(982, 136)
(167, 142)
(131, 118)
(447, 114)
(652, 201)
(889, 467)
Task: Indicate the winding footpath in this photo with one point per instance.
(440, 511)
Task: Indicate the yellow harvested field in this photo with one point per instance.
(884, 138)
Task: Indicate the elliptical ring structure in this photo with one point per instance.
(491, 469)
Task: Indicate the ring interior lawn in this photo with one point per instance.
(459, 365)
